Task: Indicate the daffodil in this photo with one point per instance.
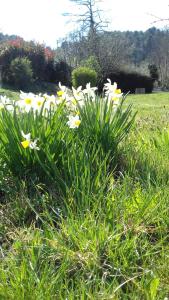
(77, 93)
(50, 102)
(71, 103)
(28, 143)
(112, 93)
(26, 136)
(6, 102)
(38, 102)
(33, 145)
(112, 89)
(62, 93)
(25, 144)
(74, 121)
(90, 91)
(26, 101)
(109, 86)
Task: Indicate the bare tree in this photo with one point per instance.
(73, 49)
(92, 40)
(160, 57)
(90, 20)
(113, 52)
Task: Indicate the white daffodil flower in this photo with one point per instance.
(28, 143)
(74, 121)
(62, 87)
(50, 102)
(77, 93)
(6, 102)
(90, 91)
(71, 103)
(38, 102)
(112, 92)
(33, 145)
(26, 136)
(26, 101)
(62, 93)
(112, 88)
(109, 86)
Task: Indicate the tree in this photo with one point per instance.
(153, 71)
(160, 57)
(90, 21)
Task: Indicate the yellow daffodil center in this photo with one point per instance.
(60, 93)
(28, 100)
(39, 103)
(77, 122)
(25, 144)
(118, 91)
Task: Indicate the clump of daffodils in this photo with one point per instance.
(31, 102)
(73, 99)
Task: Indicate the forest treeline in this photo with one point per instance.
(145, 53)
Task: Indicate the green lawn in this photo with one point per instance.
(152, 109)
(113, 244)
(149, 101)
(12, 94)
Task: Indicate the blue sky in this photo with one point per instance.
(43, 20)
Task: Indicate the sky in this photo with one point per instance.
(43, 20)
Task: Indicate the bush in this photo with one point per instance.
(129, 81)
(92, 63)
(82, 75)
(39, 56)
(63, 73)
(21, 74)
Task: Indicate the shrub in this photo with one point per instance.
(58, 72)
(92, 63)
(82, 75)
(21, 73)
(63, 73)
(129, 81)
(39, 56)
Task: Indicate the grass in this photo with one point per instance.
(12, 94)
(153, 109)
(112, 244)
(36, 87)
